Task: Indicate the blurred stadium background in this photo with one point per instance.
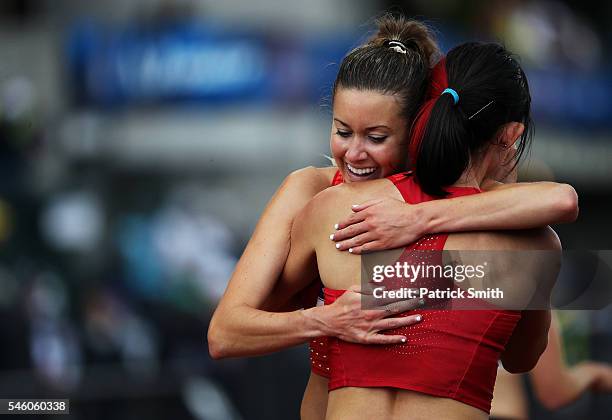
(140, 140)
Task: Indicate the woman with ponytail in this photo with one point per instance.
(379, 88)
(477, 109)
(465, 110)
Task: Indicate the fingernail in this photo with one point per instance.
(336, 226)
(422, 302)
(404, 340)
(337, 246)
(351, 250)
(418, 317)
(331, 236)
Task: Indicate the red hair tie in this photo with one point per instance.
(438, 82)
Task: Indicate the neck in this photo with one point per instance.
(475, 174)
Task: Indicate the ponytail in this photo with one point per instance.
(445, 154)
(491, 90)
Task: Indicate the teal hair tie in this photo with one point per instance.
(453, 93)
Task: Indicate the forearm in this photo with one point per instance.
(239, 327)
(583, 376)
(516, 206)
(250, 332)
(554, 383)
(558, 390)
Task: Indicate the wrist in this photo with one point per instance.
(598, 376)
(313, 321)
(586, 372)
(429, 220)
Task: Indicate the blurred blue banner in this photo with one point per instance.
(208, 64)
(195, 62)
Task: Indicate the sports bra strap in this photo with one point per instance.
(337, 178)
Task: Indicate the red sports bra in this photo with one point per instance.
(451, 353)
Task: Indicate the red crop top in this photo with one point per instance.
(451, 353)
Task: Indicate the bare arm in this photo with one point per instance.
(345, 318)
(389, 223)
(238, 327)
(530, 337)
(527, 343)
(506, 206)
(556, 384)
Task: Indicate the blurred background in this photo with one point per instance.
(140, 140)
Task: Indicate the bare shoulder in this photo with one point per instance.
(327, 198)
(524, 264)
(329, 202)
(335, 202)
(358, 190)
(327, 173)
(307, 182)
(544, 238)
(313, 175)
(530, 239)
(297, 189)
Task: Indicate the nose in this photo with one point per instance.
(356, 150)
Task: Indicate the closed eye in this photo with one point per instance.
(344, 134)
(377, 139)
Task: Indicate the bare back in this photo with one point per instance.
(340, 270)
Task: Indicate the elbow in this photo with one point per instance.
(518, 367)
(527, 360)
(538, 349)
(567, 203)
(217, 345)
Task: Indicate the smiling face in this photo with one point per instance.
(369, 138)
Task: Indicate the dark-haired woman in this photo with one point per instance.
(478, 110)
(394, 65)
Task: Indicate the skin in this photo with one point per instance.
(555, 384)
(365, 140)
(384, 223)
(241, 325)
(381, 223)
(312, 255)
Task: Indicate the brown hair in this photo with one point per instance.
(396, 60)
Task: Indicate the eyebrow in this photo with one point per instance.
(340, 121)
(368, 128)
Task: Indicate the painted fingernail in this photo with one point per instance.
(418, 317)
(331, 236)
(337, 246)
(351, 250)
(336, 226)
(404, 340)
(422, 302)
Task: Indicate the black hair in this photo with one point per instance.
(493, 90)
(385, 66)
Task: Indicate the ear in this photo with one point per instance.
(510, 133)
